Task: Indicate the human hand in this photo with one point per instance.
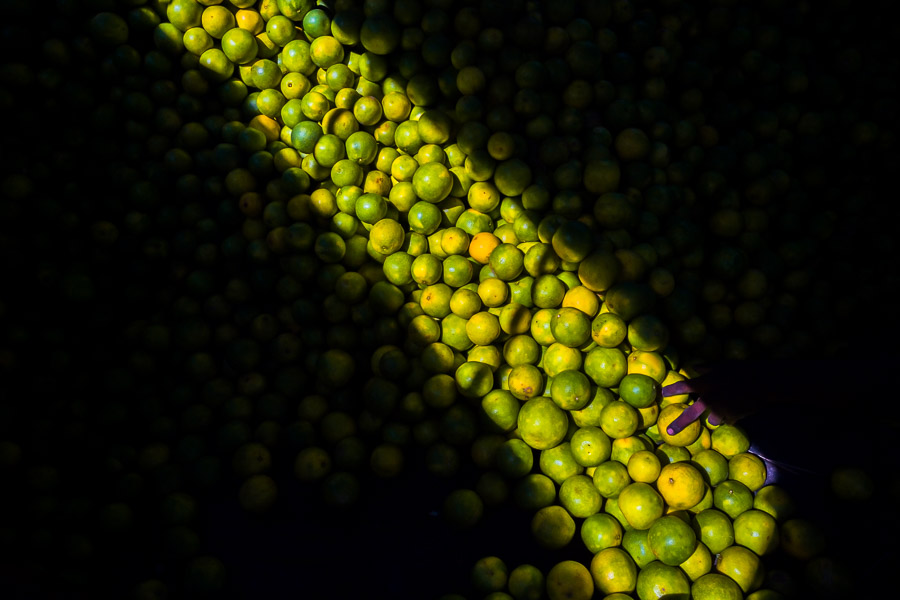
(729, 391)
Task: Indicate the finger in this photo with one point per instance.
(690, 414)
(678, 388)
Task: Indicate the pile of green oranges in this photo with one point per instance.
(432, 235)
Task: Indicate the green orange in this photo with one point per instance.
(671, 540)
(614, 571)
(542, 424)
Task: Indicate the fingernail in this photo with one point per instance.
(671, 430)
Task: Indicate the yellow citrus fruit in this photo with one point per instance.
(608, 329)
(681, 485)
(686, 436)
(640, 504)
(482, 245)
(583, 299)
(714, 528)
(624, 448)
(644, 466)
(749, 469)
(756, 530)
(614, 571)
(729, 440)
(569, 580)
(742, 566)
(648, 363)
(698, 563)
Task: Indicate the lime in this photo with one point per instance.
(756, 530)
(749, 469)
(473, 379)
(698, 563)
(526, 582)
(501, 409)
(571, 390)
(605, 366)
(558, 463)
(610, 478)
(732, 497)
(541, 423)
(714, 586)
(619, 419)
(579, 496)
(741, 565)
(600, 531)
(553, 527)
(714, 529)
(571, 327)
(614, 571)
(775, 501)
(569, 580)
(638, 390)
(641, 505)
(638, 547)
(671, 540)
(506, 260)
(657, 580)
(534, 491)
(714, 465)
(729, 440)
(559, 358)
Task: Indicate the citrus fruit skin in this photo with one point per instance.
(526, 582)
(656, 581)
(579, 496)
(742, 566)
(553, 527)
(489, 574)
(680, 485)
(640, 504)
(686, 436)
(614, 571)
(600, 531)
(749, 469)
(715, 529)
(569, 580)
(732, 497)
(671, 540)
(714, 586)
(638, 390)
(756, 530)
(541, 423)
